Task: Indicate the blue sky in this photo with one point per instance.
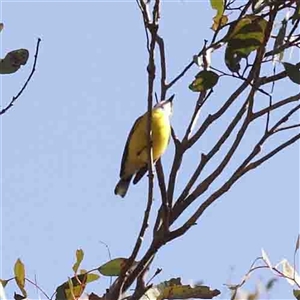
(63, 140)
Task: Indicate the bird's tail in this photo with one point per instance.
(122, 186)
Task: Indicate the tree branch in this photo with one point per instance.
(163, 67)
(258, 162)
(277, 105)
(123, 282)
(14, 99)
(205, 158)
(204, 185)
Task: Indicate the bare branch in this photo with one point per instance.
(241, 78)
(204, 185)
(277, 105)
(195, 116)
(258, 162)
(288, 44)
(38, 288)
(244, 167)
(287, 127)
(163, 67)
(284, 119)
(163, 191)
(183, 72)
(172, 178)
(244, 116)
(151, 78)
(146, 19)
(226, 186)
(156, 12)
(273, 78)
(211, 118)
(206, 158)
(125, 280)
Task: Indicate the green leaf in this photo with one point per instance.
(4, 282)
(13, 61)
(19, 272)
(60, 293)
(113, 267)
(258, 5)
(292, 71)
(296, 293)
(236, 27)
(289, 272)
(92, 277)
(75, 286)
(243, 37)
(204, 80)
(218, 5)
(173, 289)
(219, 19)
(79, 258)
(270, 283)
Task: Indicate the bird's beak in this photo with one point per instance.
(167, 105)
(164, 102)
(171, 98)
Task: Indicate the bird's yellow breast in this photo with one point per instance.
(137, 145)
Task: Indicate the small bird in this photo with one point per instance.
(135, 155)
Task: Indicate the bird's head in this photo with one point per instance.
(166, 105)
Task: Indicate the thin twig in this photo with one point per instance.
(195, 116)
(204, 185)
(39, 288)
(288, 127)
(180, 75)
(277, 105)
(205, 158)
(287, 45)
(270, 101)
(284, 145)
(163, 191)
(243, 168)
(183, 72)
(225, 187)
(109, 256)
(10, 105)
(241, 78)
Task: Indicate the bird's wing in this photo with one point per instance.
(125, 153)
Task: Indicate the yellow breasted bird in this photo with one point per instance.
(135, 155)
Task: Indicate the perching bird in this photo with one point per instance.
(135, 155)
